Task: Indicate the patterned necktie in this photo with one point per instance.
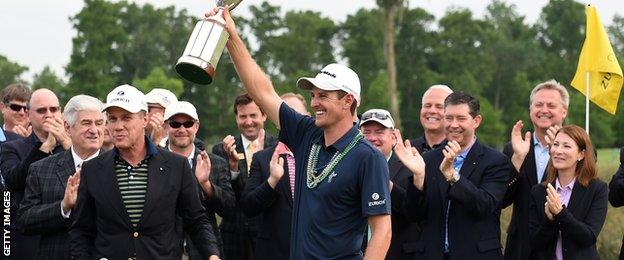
(291, 173)
(251, 149)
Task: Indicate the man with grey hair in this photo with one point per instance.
(432, 119)
(131, 196)
(52, 183)
(48, 137)
(529, 155)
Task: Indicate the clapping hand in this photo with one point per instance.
(229, 145)
(553, 200)
(277, 169)
(520, 145)
(451, 150)
(410, 157)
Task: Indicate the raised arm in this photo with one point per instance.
(256, 82)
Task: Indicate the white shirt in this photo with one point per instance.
(189, 158)
(77, 165)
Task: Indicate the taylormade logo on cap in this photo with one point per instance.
(334, 77)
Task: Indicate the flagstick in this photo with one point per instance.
(587, 102)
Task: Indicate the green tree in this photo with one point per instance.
(95, 58)
(10, 72)
(376, 95)
(46, 78)
(158, 79)
(513, 47)
(390, 9)
(362, 45)
(414, 44)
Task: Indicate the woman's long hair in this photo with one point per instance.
(586, 168)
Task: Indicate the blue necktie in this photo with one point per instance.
(457, 164)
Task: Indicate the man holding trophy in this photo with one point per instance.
(334, 200)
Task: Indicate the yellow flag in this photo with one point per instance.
(597, 58)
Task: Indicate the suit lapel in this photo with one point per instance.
(437, 176)
(528, 166)
(65, 167)
(472, 160)
(157, 172)
(110, 187)
(578, 193)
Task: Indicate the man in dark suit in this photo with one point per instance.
(377, 126)
(529, 155)
(457, 196)
(238, 231)
(130, 197)
(48, 137)
(52, 186)
(616, 190)
(210, 170)
(432, 119)
(14, 110)
(269, 193)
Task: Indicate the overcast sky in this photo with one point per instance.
(38, 33)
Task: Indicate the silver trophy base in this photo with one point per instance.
(195, 70)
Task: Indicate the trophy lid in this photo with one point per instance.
(231, 3)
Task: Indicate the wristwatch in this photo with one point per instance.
(454, 178)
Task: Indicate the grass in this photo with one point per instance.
(610, 238)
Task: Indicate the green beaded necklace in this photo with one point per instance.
(313, 180)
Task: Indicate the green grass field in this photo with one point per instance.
(610, 238)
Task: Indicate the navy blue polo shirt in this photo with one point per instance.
(329, 221)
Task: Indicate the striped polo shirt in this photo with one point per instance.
(132, 182)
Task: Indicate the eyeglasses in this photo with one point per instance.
(43, 110)
(381, 116)
(17, 108)
(176, 125)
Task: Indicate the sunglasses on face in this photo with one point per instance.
(381, 116)
(176, 125)
(16, 107)
(43, 110)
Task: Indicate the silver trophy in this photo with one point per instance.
(198, 63)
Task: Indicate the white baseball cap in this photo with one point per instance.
(334, 77)
(181, 107)
(161, 97)
(381, 116)
(126, 97)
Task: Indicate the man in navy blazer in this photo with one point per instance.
(130, 197)
(48, 137)
(239, 232)
(269, 193)
(529, 155)
(616, 190)
(457, 191)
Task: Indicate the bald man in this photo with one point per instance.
(48, 137)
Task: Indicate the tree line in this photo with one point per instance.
(499, 58)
